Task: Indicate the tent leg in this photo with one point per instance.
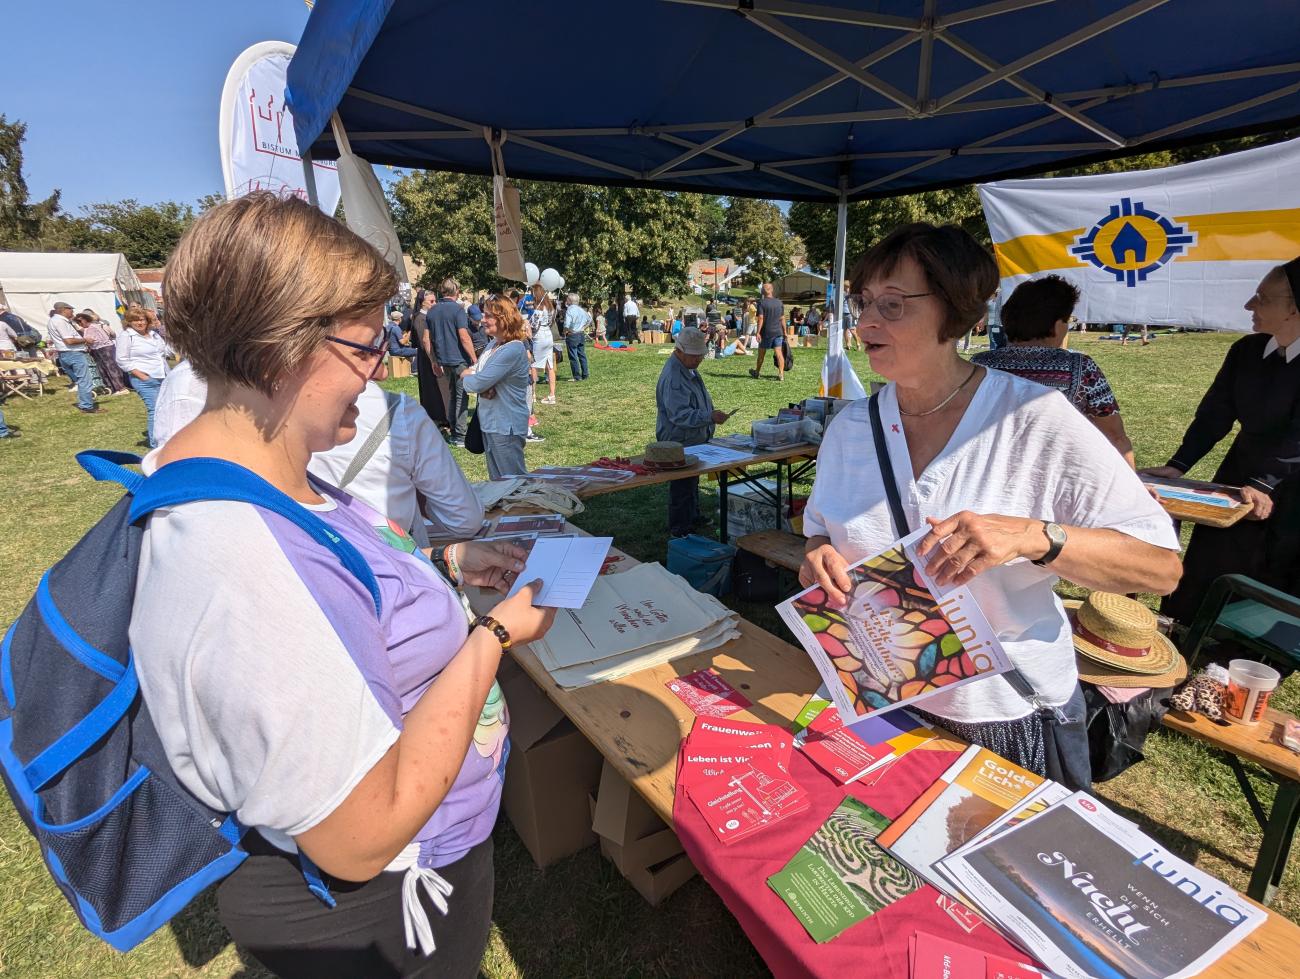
(841, 243)
(309, 180)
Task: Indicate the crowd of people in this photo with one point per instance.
(94, 355)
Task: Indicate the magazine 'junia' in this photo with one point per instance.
(900, 639)
(1089, 896)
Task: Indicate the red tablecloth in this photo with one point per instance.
(876, 946)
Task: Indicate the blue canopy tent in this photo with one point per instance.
(834, 102)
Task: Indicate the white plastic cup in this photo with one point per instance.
(1250, 684)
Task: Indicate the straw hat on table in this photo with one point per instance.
(1117, 644)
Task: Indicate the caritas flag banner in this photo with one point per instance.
(259, 150)
(1181, 246)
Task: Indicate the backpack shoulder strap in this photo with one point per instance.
(371, 445)
(191, 480)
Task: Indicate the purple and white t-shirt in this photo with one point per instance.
(274, 686)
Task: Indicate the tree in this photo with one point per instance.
(599, 238)
(21, 221)
(445, 221)
(756, 234)
(869, 221)
(145, 233)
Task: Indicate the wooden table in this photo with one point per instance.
(1261, 744)
(637, 724)
(786, 464)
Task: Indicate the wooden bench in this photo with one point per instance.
(1262, 745)
(777, 547)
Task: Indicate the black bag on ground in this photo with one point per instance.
(754, 580)
(1118, 732)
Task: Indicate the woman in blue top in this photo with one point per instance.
(501, 381)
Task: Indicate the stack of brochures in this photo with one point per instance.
(738, 776)
(1088, 894)
(633, 621)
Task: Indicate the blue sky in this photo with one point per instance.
(121, 99)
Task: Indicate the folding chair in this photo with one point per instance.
(1249, 613)
(13, 382)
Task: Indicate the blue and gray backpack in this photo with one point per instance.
(125, 842)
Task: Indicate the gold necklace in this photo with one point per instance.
(944, 402)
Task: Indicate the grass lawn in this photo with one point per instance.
(579, 917)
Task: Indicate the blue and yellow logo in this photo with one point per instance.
(1132, 241)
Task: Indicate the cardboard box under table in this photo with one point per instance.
(551, 771)
(643, 848)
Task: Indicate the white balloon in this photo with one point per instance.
(561, 285)
(550, 279)
(530, 273)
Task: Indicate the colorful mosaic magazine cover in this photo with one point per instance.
(899, 640)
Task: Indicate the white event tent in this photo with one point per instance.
(32, 282)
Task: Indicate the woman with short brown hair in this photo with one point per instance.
(374, 745)
(1014, 485)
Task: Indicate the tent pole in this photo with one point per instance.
(841, 243)
(309, 180)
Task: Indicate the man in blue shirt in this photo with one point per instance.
(453, 351)
(576, 321)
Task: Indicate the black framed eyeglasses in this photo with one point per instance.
(890, 306)
(377, 351)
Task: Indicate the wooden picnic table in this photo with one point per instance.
(787, 465)
(1262, 744)
(637, 724)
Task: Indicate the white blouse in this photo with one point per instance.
(1021, 450)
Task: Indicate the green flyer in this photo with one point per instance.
(840, 876)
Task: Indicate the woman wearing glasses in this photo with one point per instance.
(1014, 486)
(1258, 386)
(373, 745)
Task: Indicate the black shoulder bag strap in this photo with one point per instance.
(887, 469)
(1019, 682)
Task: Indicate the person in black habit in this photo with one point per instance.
(1258, 386)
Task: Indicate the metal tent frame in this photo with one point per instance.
(946, 92)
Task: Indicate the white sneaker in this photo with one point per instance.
(548, 401)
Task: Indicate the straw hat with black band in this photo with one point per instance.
(1117, 644)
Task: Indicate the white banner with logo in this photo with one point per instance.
(1180, 246)
(258, 148)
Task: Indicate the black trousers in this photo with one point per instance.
(271, 915)
(683, 505)
(457, 399)
(433, 391)
(631, 329)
